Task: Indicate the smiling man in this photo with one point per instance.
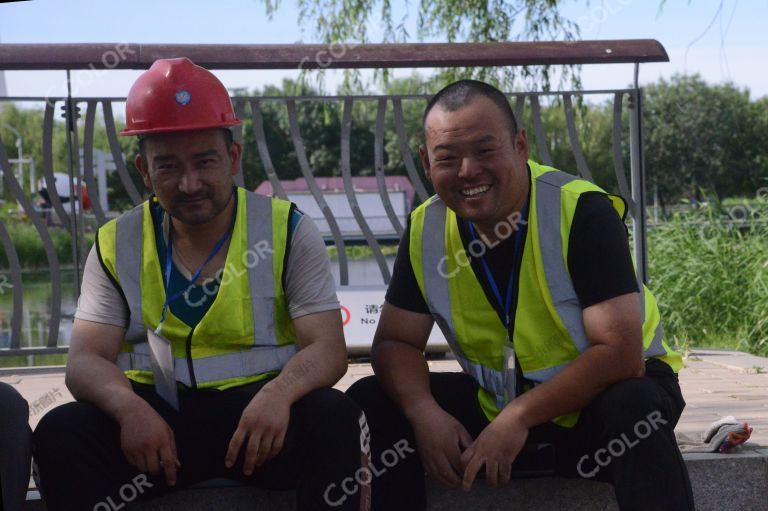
(208, 332)
(527, 272)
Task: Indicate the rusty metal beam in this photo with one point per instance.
(316, 56)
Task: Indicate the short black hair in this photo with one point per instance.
(226, 132)
(460, 94)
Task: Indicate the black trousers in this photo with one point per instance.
(82, 467)
(625, 437)
(15, 449)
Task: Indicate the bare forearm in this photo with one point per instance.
(574, 387)
(404, 374)
(96, 380)
(318, 365)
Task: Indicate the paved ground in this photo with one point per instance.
(715, 384)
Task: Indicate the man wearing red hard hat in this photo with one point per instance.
(208, 332)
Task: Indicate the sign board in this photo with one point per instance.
(370, 204)
(360, 311)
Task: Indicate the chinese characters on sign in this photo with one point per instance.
(372, 312)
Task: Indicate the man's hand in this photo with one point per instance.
(263, 423)
(148, 443)
(320, 362)
(440, 438)
(497, 447)
(93, 377)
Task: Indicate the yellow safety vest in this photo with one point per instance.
(548, 326)
(245, 336)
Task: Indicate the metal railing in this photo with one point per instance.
(73, 219)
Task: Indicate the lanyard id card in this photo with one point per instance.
(510, 365)
(510, 374)
(163, 368)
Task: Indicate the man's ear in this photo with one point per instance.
(521, 143)
(143, 169)
(235, 152)
(425, 162)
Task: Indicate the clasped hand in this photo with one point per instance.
(451, 457)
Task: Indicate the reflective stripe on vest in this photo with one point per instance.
(266, 354)
(436, 287)
(216, 368)
(559, 283)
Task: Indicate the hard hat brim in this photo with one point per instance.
(170, 129)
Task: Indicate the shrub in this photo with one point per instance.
(710, 275)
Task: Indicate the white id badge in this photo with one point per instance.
(163, 368)
(510, 381)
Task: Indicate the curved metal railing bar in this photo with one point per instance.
(117, 155)
(405, 150)
(578, 154)
(306, 171)
(519, 110)
(618, 160)
(538, 127)
(17, 290)
(50, 180)
(90, 182)
(349, 189)
(263, 148)
(237, 136)
(50, 250)
(378, 165)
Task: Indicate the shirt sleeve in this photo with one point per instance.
(309, 284)
(403, 290)
(598, 255)
(99, 300)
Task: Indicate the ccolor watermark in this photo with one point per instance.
(228, 273)
(620, 446)
(599, 14)
(110, 59)
(127, 492)
(743, 212)
(324, 58)
(477, 248)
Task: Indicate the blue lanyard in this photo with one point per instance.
(169, 263)
(507, 303)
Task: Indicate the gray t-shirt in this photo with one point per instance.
(309, 285)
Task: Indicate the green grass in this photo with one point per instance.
(29, 245)
(37, 360)
(711, 278)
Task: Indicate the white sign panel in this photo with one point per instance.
(370, 204)
(360, 310)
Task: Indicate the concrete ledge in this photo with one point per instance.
(730, 481)
(719, 481)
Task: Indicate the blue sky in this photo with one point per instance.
(735, 48)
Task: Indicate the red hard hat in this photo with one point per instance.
(177, 95)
